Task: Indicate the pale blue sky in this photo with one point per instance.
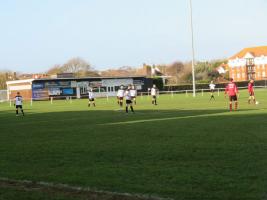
(36, 34)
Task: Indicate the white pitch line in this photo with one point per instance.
(157, 119)
(176, 118)
(123, 111)
(171, 118)
(79, 189)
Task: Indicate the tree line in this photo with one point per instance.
(176, 73)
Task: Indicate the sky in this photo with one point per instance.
(37, 34)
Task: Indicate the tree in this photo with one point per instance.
(3, 79)
(178, 72)
(56, 69)
(77, 66)
(207, 71)
(6, 76)
(122, 71)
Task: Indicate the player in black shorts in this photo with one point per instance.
(18, 104)
(129, 101)
(91, 97)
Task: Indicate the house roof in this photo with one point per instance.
(255, 51)
(69, 79)
(19, 81)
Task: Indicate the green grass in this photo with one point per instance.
(10, 194)
(184, 148)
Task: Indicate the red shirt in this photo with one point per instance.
(250, 87)
(231, 89)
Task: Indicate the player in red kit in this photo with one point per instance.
(251, 92)
(232, 91)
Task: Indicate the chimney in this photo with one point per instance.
(147, 70)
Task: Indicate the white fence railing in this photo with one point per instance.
(198, 91)
(69, 99)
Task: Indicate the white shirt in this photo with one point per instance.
(133, 92)
(128, 95)
(153, 91)
(120, 93)
(91, 95)
(18, 100)
(212, 86)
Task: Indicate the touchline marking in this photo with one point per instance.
(171, 118)
(135, 112)
(160, 119)
(59, 187)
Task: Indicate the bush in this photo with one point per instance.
(159, 83)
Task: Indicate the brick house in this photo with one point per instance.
(22, 86)
(250, 63)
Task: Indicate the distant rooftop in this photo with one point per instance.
(255, 51)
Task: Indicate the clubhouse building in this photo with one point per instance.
(45, 88)
(250, 63)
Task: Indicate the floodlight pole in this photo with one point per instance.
(193, 49)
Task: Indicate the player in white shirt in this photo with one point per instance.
(133, 93)
(120, 96)
(153, 92)
(18, 104)
(128, 99)
(212, 88)
(91, 97)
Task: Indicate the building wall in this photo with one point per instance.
(238, 73)
(24, 87)
(43, 89)
(238, 69)
(26, 94)
(241, 73)
(261, 71)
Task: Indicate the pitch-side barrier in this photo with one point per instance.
(69, 99)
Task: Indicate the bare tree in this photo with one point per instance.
(56, 69)
(6, 76)
(122, 71)
(175, 71)
(78, 66)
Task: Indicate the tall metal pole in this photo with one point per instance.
(193, 49)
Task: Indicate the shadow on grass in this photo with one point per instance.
(108, 117)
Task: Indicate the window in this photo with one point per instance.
(83, 90)
(263, 74)
(250, 61)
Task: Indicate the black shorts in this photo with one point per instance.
(18, 106)
(120, 98)
(92, 99)
(154, 97)
(233, 98)
(129, 102)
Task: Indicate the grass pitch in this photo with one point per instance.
(184, 148)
